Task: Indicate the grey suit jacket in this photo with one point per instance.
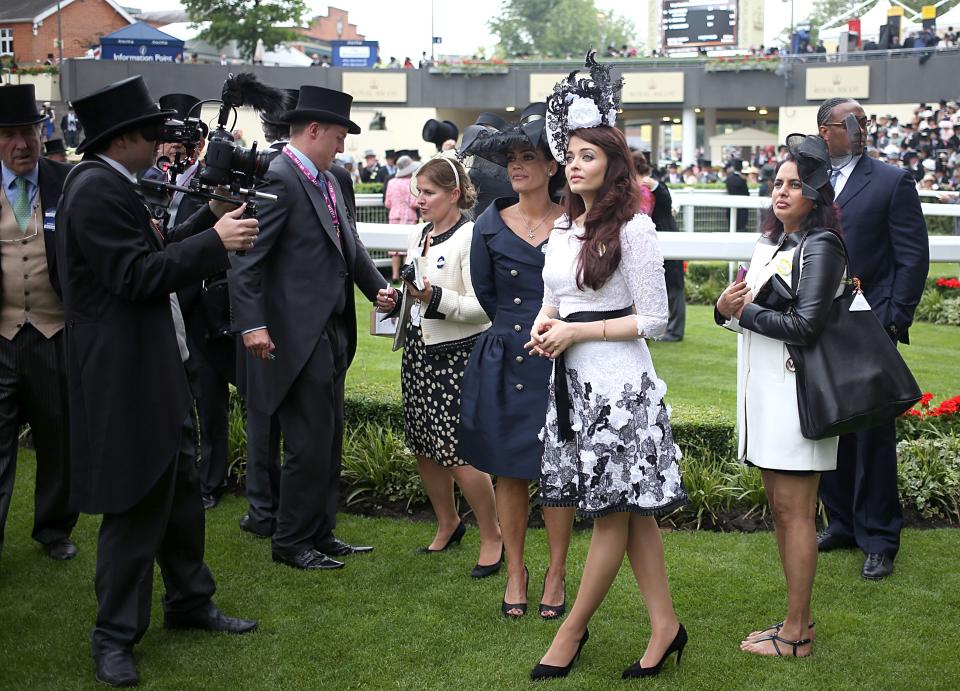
(295, 275)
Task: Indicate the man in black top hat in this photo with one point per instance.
(32, 377)
(292, 298)
(737, 187)
(131, 430)
(54, 150)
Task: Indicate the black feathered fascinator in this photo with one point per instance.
(580, 103)
(813, 165)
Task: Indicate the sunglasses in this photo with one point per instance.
(862, 122)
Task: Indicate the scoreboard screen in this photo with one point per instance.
(697, 23)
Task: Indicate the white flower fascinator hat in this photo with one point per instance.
(580, 103)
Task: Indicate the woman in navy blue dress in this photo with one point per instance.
(504, 395)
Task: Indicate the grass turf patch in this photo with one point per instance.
(394, 619)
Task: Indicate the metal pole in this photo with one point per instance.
(59, 38)
(433, 57)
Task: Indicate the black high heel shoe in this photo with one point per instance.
(542, 671)
(454, 539)
(484, 570)
(558, 610)
(679, 642)
(505, 607)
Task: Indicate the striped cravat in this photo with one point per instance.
(21, 207)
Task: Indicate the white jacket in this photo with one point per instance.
(454, 316)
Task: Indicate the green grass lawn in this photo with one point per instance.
(701, 369)
(393, 619)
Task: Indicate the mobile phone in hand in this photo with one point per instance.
(741, 274)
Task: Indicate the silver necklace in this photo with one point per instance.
(532, 231)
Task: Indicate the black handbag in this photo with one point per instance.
(852, 377)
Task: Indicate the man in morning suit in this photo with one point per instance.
(263, 431)
(292, 298)
(131, 427)
(33, 385)
(886, 237)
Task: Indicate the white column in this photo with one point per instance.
(709, 129)
(689, 144)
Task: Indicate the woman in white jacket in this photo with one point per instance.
(445, 320)
(759, 307)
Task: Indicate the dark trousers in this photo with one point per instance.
(861, 496)
(166, 526)
(311, 417)
(33, 389)
(263, 469)
(213, 407)
(676, 299)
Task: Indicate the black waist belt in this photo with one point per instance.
(560, 390)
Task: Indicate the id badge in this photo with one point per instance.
(50, 220)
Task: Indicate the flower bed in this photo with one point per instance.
(744, 63)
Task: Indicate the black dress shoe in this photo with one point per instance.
(877, 566)
(209, 618)
(484, 570)
(116, 667)
(827, 541)
(338, 548)
(249, 526)
(455, 537)
(61, 549)
(308, 559)
(210, 501)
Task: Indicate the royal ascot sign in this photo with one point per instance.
(827, 82)
(541, 85)
(653, 87)
(376, 87)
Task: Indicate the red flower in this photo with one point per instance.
(925, 400)
(913, 412)
(948, 283)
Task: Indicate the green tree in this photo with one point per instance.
(558, 28)
(245, 21)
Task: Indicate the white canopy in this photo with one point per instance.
(282, 56)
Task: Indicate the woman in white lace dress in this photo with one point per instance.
(609, 449)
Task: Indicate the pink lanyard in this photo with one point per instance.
(331, 206)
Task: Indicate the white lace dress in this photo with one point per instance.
(622, 456)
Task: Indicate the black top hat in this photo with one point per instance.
(391, 153)
(528, 132)
(291, 96)
(437, 132)
(412, 153)
(18, 106)
(317, 104)
(54, 146)
(114, 109)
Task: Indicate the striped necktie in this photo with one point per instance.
(21, 207)
(834, 178)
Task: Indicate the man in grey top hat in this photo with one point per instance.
(32, 376)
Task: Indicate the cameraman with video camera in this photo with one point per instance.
(131, 431)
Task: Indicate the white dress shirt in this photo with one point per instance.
(845, 174)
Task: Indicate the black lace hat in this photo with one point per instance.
(530, 132)
(115, 109)
(813, 165)
(487, 125)
(581, 103)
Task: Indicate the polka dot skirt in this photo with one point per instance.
(430, 385)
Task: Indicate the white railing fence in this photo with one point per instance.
(696, 243)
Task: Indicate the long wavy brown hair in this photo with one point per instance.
(617, 201)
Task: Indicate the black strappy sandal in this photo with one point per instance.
(775, 639)
(775, 628)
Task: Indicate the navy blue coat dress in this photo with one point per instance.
(503, 401)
